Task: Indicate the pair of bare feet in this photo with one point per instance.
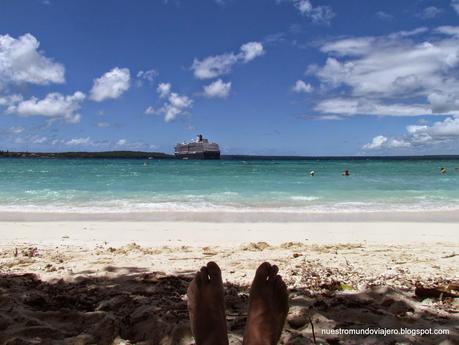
(268, 307)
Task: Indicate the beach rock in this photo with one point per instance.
(298, 317)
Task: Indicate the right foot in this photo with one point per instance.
(206, 306)
(268, 307)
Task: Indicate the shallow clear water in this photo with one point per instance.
(230, 185)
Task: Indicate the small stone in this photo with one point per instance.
(298, 318)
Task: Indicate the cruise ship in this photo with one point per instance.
(200, 148)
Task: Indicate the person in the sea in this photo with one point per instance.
(268, 307)
(443, 170)
(346, 173)
(312, 173)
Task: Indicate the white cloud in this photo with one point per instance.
(103, 124)
(78, 141)
(430, 12)
(217, 89)
(9, 100)
(420, 136)
(39, 140)
(111, 85)
(317, 14)
(402, 74)
(164, 89)
(352, 106)
(174, 103)
(301, 87)
(16, 129)
(455, 5)
(54, 105)
(214, 66)
(151, 111)
(148, 75)
(21, 61)
(384, 15)
(382, 142)
(121, 142)
(251, 50)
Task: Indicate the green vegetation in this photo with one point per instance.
(104, 154)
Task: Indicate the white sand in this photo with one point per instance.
(87, 233)
(379, 265)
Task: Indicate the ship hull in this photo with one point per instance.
(198, 155)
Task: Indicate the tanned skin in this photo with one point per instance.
(268, 307)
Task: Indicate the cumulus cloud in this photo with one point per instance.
(301, 87)
(164, 89)
(21, 61)
(214, 66)
(317, 14)
(420, 136)
(217, 89)
(111, 85)
(174, 104)
(251, 50)
(121, 142)
(54, 106)
(406, 73)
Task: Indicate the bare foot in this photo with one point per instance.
(268, 307)
(206, 306)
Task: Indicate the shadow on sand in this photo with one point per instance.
(150, 308)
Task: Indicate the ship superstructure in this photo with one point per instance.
(200, 148)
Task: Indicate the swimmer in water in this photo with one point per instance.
(346, 173)
(443, 170)
(312, 173)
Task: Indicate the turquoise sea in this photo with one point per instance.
(90, 185)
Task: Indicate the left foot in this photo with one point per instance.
(206, 306)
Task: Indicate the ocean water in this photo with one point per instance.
(79, 185)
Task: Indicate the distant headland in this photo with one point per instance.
(83, 154)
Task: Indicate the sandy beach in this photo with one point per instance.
(89, 282)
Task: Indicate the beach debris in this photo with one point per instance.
(255, 246)
(452, 255)
(437, 292)
(30, 252)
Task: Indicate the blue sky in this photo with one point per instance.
(292, 77)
